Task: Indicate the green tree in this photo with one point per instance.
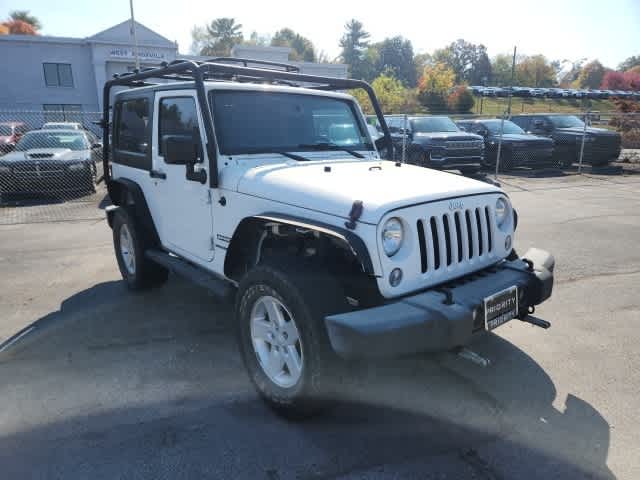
(26, 17)
(591, 75)
(392, 95)
(629, 63)
(535, 71)
(354, 43)
(468, 61)
(302, 48)
(501, 69)
(217, 38)
(395, 57)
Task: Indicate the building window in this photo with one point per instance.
(132, 122)
(62, 113)
(58, 75)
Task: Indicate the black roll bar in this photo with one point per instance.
(199, 72)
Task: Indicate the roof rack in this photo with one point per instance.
(222, 68)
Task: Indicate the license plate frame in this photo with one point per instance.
(505, 310)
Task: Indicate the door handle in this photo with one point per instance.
(157, 174)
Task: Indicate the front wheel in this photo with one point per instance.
(280, 325)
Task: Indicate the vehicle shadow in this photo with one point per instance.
(415, 417)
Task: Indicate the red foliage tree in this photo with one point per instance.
(632, 79)
(19, 27)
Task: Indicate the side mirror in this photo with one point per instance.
(180, 149)
(96, 146)
(483, 132)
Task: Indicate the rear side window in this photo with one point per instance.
(132, 126)
(177, 117)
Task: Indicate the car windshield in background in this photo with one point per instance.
(5, 130)
(509, 128)
(566, 121)
(433, 124)
(70, 140)
(284, 122)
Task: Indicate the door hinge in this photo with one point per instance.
(209, 200)
(212, 243)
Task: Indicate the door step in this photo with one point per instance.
(219, 287)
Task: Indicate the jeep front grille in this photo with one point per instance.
(452, 238)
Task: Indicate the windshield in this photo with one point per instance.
(5, 130)
(433, 124)
(508, 128)
(73, 141)
(566, 121)
(263, 122)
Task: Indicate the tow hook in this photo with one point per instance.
(472, 356)
(538, 322)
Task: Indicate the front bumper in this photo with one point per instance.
(426, 322)
(447, 162)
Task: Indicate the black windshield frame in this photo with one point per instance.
(363, 132)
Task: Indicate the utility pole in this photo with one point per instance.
(135, 38)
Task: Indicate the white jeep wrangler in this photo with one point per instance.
(252, 186)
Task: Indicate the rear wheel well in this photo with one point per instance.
(257, 240)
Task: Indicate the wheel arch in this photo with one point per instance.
(126, 193)
(246, 238)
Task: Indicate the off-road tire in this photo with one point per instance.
(147, 274)
(309, 294)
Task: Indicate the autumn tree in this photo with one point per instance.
(302, 48)
(354, 43)
(19, 27)
(535, 71)
(460, 100)
(434, 86)
(392, 95)
(591, 75)
(614, 81)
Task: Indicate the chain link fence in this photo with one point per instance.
(51, 160)
(50, 166)
(515, 143)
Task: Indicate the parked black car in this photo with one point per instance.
(518, 147)
(600, 146)
(437, 142)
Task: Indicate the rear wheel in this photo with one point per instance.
(130, 244)
(280, 314)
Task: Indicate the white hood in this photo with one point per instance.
(380, 185)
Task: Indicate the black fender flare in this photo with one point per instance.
(353, 241)
(126, 193)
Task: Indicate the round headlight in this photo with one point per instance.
(392, 235)
(502, 211)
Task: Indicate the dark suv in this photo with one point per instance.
(437, 142)
(600, 145)
(518, 147)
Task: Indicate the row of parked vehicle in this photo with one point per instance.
(60, 156)
(552, 92)
(534, 140)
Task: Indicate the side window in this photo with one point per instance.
(177, 117)
(522, 122)
(132, 125)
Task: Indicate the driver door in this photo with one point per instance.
(184, 206)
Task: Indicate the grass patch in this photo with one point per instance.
(496, 106)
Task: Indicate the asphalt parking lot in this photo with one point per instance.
(99, 383)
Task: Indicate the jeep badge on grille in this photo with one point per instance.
(456, 205)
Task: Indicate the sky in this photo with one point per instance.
(559, 29)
